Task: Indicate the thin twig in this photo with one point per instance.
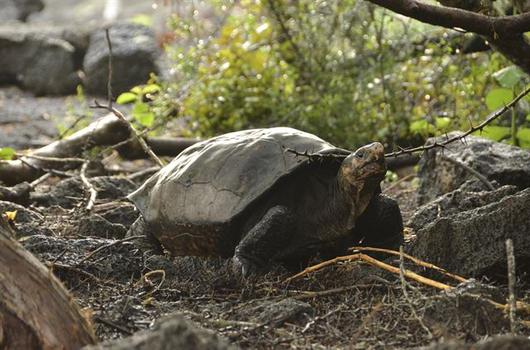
(318, 318)
(95, 251)
(435, 144)
(40, 180)
(316, 156)
(52, 159)
(120, 115)
(472, 171)
(511, 286)
(329, 292)
(471, 130)
(413, 259)
(374, 262)
(89, 186)
(154, 272)
(109, 79)
(133, 131)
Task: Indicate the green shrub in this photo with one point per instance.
(344, 70)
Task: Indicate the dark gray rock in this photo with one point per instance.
(39, 60)
(473, 242)
(501, 342)
(172, 332)
(505, 164)
(455, 202)
(134, 57)
(19, 10)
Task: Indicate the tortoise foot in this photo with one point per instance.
(245, 267)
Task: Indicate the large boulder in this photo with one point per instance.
(472, 242)
(134, 57)
(41, 60)
(18, 10)
(505, 164)
(457, 201)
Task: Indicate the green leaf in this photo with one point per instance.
(497, 98)
(496, 133)
(7, 153)
(143, 115)
(137, 90)
(509, 77)
(151, 88)
(126, 97)
(442, 122)
(421, 127)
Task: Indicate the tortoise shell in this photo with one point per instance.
(192, 199)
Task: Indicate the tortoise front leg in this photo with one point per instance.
(265, 240)
(381, 224)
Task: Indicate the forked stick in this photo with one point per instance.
(374, 262)
(520, 306)
(414, 260)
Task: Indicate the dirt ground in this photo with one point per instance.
(127, 287)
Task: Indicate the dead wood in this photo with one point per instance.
(36, 311)
(105, 131)
(60, 155)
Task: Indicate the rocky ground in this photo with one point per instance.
(452, 218)
(128, 288)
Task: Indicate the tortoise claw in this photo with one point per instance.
(244, 267)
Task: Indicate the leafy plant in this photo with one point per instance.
(509, 80)
(342, 69)
(140, 96)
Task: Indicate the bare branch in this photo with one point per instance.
(120, 115)
(471, 130)
(133, 132)
(450, 17)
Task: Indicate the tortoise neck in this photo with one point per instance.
(341, 208)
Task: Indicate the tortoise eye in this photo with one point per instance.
(360, 154)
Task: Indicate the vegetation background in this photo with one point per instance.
(346, 70)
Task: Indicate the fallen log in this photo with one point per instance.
(59, 155)
(108, 130)
(36, 311)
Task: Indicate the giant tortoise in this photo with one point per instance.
(269, 195)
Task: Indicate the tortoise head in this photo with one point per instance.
(360, 174)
